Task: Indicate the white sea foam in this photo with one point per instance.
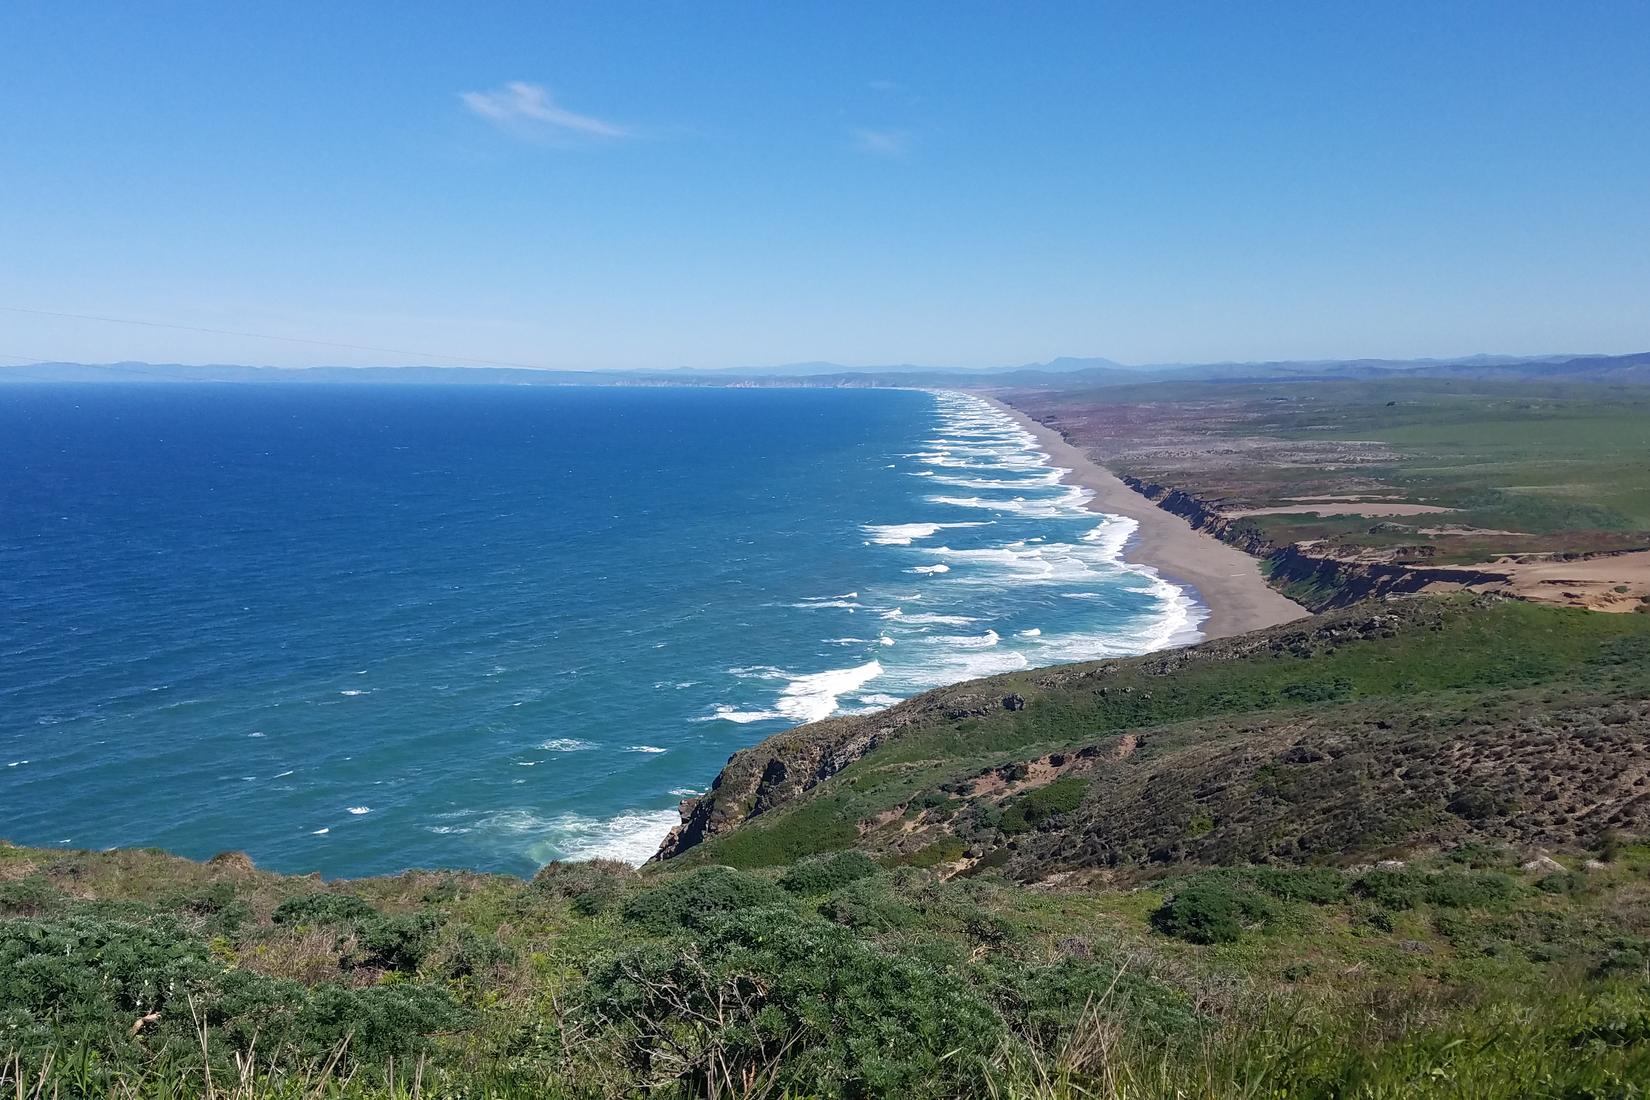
(358, 810)
(354, 691)
(940, 567)
(631, 837)
(968, 641)
(903, 534)
(283, 775)
(1030, 481)
(684, 792)
(320, 832)
(814, 696)
(1034, 632)
(927, 618)
(645, 748)
(760, 672)
(566, 744)
(726, 713)
(805, 698)
(1066, 503)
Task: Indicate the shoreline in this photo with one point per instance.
(1225, 580)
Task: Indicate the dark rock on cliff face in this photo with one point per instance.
(788, 764)
(1343, 583)
(784, 766)
(1316, 583)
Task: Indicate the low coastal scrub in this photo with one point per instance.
(832, 978)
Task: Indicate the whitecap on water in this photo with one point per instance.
(566, 744)
(632, 836)
(903, 534)
(808, 697)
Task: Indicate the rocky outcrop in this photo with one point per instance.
(784, 766)
(1203, 516)
(1314, 581)
(1320, 583)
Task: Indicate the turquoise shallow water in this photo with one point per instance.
(358, 629)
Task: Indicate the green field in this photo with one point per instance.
(1528, 467)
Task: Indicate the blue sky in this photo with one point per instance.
(710, 184)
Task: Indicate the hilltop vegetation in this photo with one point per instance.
(1338, 859)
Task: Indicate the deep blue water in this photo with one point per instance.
(358, 629)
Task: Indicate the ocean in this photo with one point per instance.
(356, 629)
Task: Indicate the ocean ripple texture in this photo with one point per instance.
(357, 629)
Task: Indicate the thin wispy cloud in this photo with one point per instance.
(882, 143)
(531, 108)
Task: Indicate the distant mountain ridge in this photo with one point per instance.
(1632, 369)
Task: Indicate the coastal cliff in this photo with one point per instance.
(1316, 582)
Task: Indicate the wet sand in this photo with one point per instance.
(1228, 581)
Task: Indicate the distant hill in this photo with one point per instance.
(1060, 372)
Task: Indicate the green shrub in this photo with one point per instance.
(1045, 1004)
(224, 913)
(1319, 691)
(688, 901)
(821, 874)
(1464, 890)
(1317, 885)
(1399, 888)
(1035, 807)
(322, 907)
(472, 953)
(381, 1021)
(398, 942)
(566, 879)
(596, 900)
(767, 989)
(1210, 911)
(85, 974)
(30, 897)
(1561, 882)
(869, 906)
(1484, 857)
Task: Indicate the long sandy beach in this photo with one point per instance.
(1227, 580)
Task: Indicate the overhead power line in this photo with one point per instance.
(266, 336)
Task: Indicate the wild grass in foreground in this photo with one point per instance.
(1575, 1048)
(1463, 976)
